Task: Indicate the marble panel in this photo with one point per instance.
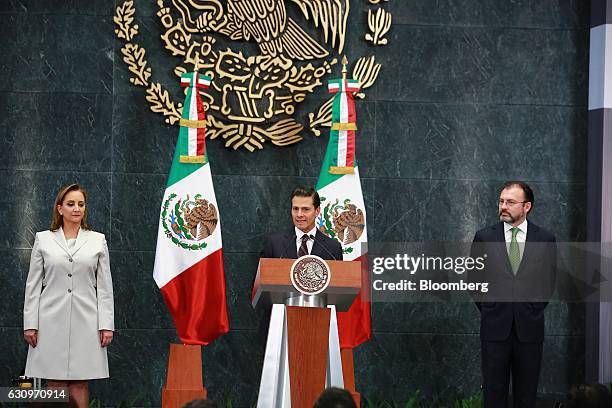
(144, 7)
(14, 265)
(428, 210)
(138, 301)
(486, 142)
(544, 14)
(142, 142)
(562, 365)
(56, 53)
(476, 65)
(461, 207)
(135, 209)
(26, 201)
(240, 271)
(46, 131)
(392, 366)
(93, 7)
(565, 319)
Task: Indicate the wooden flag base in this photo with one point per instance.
(348, 371)
(184, 380)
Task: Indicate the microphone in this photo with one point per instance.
(314, 238)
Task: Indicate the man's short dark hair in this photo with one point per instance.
(522, 185)
(307, 192)
(589, 396)
(201, 403)
(334, 397)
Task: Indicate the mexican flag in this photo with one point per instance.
(189, 258)
(343, 214)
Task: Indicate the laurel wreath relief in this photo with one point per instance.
(253, 98)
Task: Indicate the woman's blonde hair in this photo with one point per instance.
(58, 221)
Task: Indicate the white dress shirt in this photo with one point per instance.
(298, 238)
(521, 236)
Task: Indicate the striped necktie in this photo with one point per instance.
(303, 248)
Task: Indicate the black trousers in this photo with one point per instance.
(500, 359)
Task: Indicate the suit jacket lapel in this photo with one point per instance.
(532, 233)
(291, 245)
(81, 239)
(60, 240)
(316, 246)
(500, 238)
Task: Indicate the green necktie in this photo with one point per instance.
(514, 253)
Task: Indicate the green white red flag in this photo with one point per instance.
(343, 215)
(189, 258)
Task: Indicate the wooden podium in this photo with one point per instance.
(302, 351)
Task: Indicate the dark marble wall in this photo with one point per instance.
(471, 93)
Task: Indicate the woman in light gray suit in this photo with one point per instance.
(68, 310)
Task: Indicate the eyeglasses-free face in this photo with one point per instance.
(72, 208)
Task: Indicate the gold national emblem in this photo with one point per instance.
(310, 275)
(265, 57)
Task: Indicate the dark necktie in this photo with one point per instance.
(303, 248)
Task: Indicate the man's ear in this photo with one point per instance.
(528, 206)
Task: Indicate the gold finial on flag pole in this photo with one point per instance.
(344, 70)
(197, 62)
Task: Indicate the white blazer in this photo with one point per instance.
(68, 299)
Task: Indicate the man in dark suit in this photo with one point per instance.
(520, 269)
(304, 238)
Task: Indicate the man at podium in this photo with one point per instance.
(304, 296)
(304, 238)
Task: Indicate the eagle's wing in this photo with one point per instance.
(263, 20)
(331, 14)
(267, 23)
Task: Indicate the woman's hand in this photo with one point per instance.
(31, 337)
(106, 336)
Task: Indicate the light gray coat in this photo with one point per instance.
(68, 299)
